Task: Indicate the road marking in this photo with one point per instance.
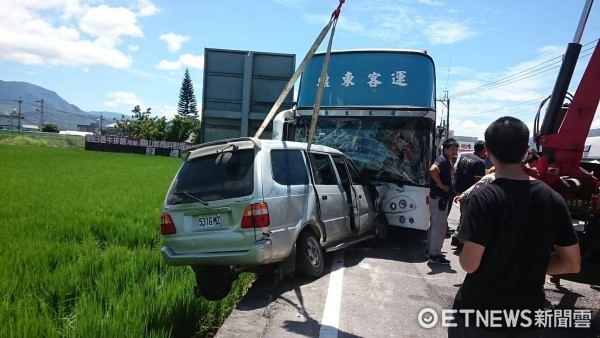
(331, 314)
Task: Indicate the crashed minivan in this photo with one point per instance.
(247, 202)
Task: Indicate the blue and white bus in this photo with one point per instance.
(378, 107)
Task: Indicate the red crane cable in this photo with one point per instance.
(336, 12)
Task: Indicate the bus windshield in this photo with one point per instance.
(390, 150)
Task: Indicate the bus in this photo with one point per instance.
(378, 107)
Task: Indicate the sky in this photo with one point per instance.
(493, 58)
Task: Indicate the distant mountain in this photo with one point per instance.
(56, 110)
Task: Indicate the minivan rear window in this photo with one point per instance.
(205, 178)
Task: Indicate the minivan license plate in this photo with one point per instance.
(210, 220)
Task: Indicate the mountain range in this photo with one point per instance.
(56, 110)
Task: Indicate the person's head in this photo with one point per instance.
(479, 148)
(450, 148)
(507, 139)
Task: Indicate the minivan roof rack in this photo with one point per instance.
(185, 152)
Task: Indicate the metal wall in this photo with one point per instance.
(239, 89)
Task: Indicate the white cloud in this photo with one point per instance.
(69, 32)
(174, 41)
(447, 33)
(146, 8)
(127, 99)
(166, 110)
(431, 2)
(185, 60)
(133, 48)
(169, 65)
(390, 21)
(108, 24)
(192, 61)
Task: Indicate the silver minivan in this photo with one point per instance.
(241, 203)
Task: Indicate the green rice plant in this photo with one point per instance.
(41, 139)
(24, 141)
(79, 251)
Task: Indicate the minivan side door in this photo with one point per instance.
(335, 213)
(356, 191)
(364, 199)
(350, 194)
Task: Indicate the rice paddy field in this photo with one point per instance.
(79, 249)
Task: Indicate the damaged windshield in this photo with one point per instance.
(392, 150)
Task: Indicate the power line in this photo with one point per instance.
(535, 101)
(522, 77)
(526, 73)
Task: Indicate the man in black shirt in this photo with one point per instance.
(469, 167)
(440, 200)
(509, 231)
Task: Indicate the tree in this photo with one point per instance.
(137, 113)
(124, 126)
(179, 128)
(143, 126)
(197, 132)
(50, 128)
(187, 99)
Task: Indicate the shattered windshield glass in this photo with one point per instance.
(391, 150)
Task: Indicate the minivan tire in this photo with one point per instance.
(213, 282)
(381, 230)
(310, 255)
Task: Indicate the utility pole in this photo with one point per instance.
(20, 101)
(446, 103)
(41, 110)
(12, 114)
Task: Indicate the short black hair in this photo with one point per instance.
(449, 142)
(479, 146)
(508, 139)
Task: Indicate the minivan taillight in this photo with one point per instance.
(256, 216)
(166, 225)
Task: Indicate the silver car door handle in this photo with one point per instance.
(324, 197)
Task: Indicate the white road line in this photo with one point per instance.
(331, 314)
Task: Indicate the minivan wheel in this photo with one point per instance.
(381, 229)
(310, 255)
(213, 282)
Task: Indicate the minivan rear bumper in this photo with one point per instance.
(259, 253)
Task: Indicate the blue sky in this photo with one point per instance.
(113, 55)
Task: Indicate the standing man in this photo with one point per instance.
(440, 199)
(469, 167)
(509, 232)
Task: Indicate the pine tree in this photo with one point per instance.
(187, 99)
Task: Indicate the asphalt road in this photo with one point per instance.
(378, 292)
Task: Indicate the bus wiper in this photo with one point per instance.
(192, 196)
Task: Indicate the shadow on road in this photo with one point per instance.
(271, 296)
